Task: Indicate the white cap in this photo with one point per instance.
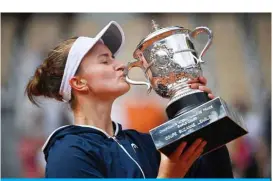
(111, 35)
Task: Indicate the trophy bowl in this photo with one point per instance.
(169, 60)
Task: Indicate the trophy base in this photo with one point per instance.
(213, 121)
(188, 102)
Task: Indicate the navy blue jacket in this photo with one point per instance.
(85, 151)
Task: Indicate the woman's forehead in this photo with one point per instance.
(98, 49)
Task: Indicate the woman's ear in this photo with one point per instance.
(83, 81)
(78, 84)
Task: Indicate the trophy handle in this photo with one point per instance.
(196, 32)
(131, 65)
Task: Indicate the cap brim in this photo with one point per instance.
(113, 37)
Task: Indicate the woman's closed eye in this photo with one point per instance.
(105, 62)
(106, 59)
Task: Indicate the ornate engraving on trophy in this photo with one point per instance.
(161, 55)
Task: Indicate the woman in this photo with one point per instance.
(84, 72)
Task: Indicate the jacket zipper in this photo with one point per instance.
(115, 139)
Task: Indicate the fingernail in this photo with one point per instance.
(202, 78)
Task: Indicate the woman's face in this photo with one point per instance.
(103, 73)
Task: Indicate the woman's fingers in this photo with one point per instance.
(200, 87)
(176, 154)
(197, 153)
(211, 96)
(205, 89)
(195, 85)
(202, 80)
(196, 80)
(200, 83)
(177, 165)
(187, 154)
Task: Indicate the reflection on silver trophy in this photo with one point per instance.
(169, 60)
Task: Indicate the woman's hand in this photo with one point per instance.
(200, 83)
(178, 163)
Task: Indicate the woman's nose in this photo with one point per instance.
(120, 67)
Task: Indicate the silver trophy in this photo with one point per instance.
(169, 60)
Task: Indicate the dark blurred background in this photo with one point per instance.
(238, 68)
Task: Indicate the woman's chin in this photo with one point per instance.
(122, 88)
(125, 88)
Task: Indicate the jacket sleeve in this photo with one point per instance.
(216, 164)
(72, 162)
